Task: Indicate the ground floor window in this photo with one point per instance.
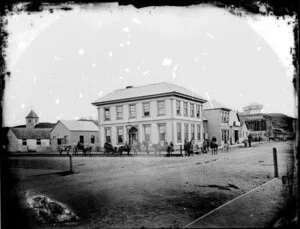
(147, 130)
(108, 134)
(179, 132)
(92, 139)
(59, 141)
(192, 131)
(225, 135)
(162, 132)
(38, 141)
(120, 133)
(186, 131)
(199, 132)
(24, 142)
(81, 139)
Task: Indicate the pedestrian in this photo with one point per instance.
(146, 144)
(186, 147)
(249, 139)
(191, 147)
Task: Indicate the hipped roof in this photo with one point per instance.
(150, 90)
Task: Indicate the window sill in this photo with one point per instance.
(119, 119)
(161, 115)
(131, 117)
(146, 116)
(106, 119)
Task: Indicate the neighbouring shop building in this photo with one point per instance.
(264, 126)
(217, 120)
(74, 131)
(238, 131)
(154, 113)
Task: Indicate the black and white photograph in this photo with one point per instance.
(154, 116)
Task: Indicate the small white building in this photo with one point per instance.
(72, 132)
(28, 140)
(33, 136)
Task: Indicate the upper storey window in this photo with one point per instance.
(106, 113)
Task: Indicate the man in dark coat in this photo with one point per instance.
(186, 147)
(249, 139)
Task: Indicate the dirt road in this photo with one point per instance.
(146, 191)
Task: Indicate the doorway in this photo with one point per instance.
(132, 135)
(236, 136)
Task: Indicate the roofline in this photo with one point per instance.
(174, 93)
(219, 108)
(84, 130)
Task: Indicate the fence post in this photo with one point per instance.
(181, 150)
(275, 162)
(71, 164)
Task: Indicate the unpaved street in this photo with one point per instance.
(146, 191)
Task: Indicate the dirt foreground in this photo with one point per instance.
(145, 191)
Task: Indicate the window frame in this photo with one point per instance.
(198, 132)
(186, 131)
(198, 106)
(92, 138)
(145, 134)
(179, 136)
(193, 133)
(158, 108)
(132, 105)
(109, 115)
(105, 133)
(178, 102)
(165, 132)
(192, 114)
(121, 112)
(185, 109)
(24, 142)
(146, 103)
(118, 129)
(38, 141)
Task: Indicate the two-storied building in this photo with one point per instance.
(154, 113)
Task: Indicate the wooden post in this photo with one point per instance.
(275, 162)
(71, 164)
(181, 150)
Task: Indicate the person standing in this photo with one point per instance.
(191, 147)
(146, 143)
(186, 147)
(249, 139)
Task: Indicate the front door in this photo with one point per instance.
(236, 135)
(133, 134)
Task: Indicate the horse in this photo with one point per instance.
(64, 148)
(85, 149)
(214, 147)
(125, 148)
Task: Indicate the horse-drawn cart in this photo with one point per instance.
(85, 148)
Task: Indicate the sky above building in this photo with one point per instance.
(63, 61)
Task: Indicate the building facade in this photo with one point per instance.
(32, 137)
(218, 121)
(259, 124)
(154, 113)
(72, 132)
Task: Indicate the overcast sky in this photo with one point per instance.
(61, 62)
